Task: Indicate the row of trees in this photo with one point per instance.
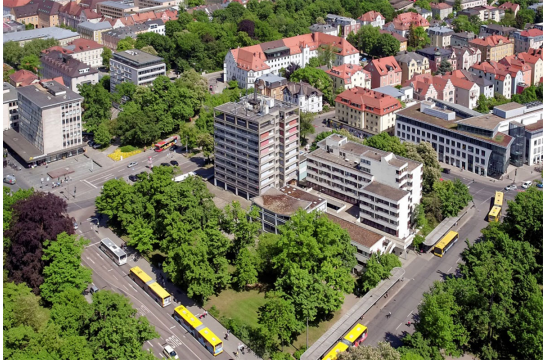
(25, 57)
(45, 313)
(531, 93)
(493, 307)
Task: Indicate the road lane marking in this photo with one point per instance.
(399, 326)
(88, 258)
(149, 343)
(172, 327)
(458, 260)
(174, 341)
(448, 271)
(115, 277)
(409, 314)
(125, 287)
(110, 270)
(133, 288)
(88, 183)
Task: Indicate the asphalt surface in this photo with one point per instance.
(427, 268)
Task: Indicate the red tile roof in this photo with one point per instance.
(528, 58)
(531, 33)
(57, 48)
(536, 52)
(370, 16)
(253, 57)
(71, 8)
(405, 20)
(438, 82)
(84, 45)
(459, 82)
(440, 6)
(487, 68)
(24, 77)
(15, 3)
(400, 38)
(492, 40)
(509, 5)
(368, 100)
(385, 65)
(346, 71)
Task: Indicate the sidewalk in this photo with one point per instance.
(179, 297)
(523, 173)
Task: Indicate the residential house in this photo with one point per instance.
(324, 29)
(494, 47)
(440, 36)
(441, 10)
(500, 78)
(72, 14)
(520, 72)
(48, 13)
(404, 94)
(373, 18)
(111, 38)
(344, 24)
(412, 63)
(86, 51)
(307, 97)
(466, 92)
(496, 29)
(402, 40)
(466, 4)
(435, 55)
(73, 71)
(402, 23)
(536, 6)
(272, 86)
(250, 62)
(466, 56)
(462, 38)
(425, 13)
(384, 71)
(23, 78)
(484, 13)
(428, 87)
(536, 65)
(93, 31)
(348, 76)
(510, 6)
(527, 39)
(365, 109)
(486, 86)
(27, 14)
(401, 5)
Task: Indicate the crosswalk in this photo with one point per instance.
(174, 341)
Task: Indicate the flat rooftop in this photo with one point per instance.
(357, 233)
(48, 32)
(10, 93)
(43, 95)
(136, 57)
(117, 4)
(488, 121)
(535, 126)
(510, 106)
(246, 110)
(385, 191)
(414, 112)
(287, 200)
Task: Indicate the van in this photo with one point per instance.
(526, 184)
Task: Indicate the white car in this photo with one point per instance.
(511, 187)
(169, 352)
(526, 184)
(134, 163)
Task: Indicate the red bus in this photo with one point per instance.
(165, 144)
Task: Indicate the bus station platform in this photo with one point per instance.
(441, 229)
(345, 323)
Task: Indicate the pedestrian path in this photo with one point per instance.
(230, 342)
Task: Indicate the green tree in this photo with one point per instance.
(30, 63)
(141, 236)
(306, 126)
(245, 225)
(385, 142)
(378, 268)
(64, 270)
(423, 4)
(383, 351)
(278, 316)
(482, 105)
(313, 264)
(387, 45)
(96, 105)
(22, 308)
(102, 135)
(444, 67)
(457, 5)
(126, 44)
(8, 70)
(366, 39)
(418, 38)
(150, 50)
(193, 3)
(245, 273)
(206, 142)
(426, 154)
(524, 16)
(9, 199)
(454, 196)
(317, 78)
(327, 55)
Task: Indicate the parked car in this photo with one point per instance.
(134, 163)
(133, 178)
(540, 185)
(169, 352)
(511, 187)
(173, 148)
(93, 289)
(174, 163)
(10, 179)
(446, 171)
(96, 146)
(526, 184)
(75, 225)
(165, 164)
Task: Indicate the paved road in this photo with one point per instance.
(319, 127)
(423, 271)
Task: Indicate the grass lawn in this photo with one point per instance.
(314, 333)
(238, 305)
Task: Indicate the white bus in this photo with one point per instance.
(113, 251)
(184, 176)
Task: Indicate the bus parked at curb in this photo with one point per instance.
(353, 339)
(445, 243)
(165, 144)
(113, 251)
(195, 327)
(495, 213)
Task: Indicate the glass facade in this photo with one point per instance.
(518, 147)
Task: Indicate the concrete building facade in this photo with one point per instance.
(135, 66)
(10, 108)
(73, 71)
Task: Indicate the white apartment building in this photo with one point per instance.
(156, 26)
(348, 76)
(86, 51)
(135, 66)
(50, 122)
(386, 187)
(74, 72)
(534, 143)
(527, 39)
(256, 145)
(466, 4)
(246, 64)
(10, 107)
(307, 97)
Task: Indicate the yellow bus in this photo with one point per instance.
(356, 336)
(154, 290)
(189, 321)
(445, 243)
(498, 199)
(210, 341)
(203, 334)
(339, 348)
(494, 214)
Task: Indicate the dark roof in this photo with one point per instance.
(431, 50)
(26, 10)
(465, 35)
(66, 64)
(49, 7)
(305, 88)
(357, 233)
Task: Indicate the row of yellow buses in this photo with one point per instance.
(194, 326)
(156, 291)
(354, 338)
(495, 213)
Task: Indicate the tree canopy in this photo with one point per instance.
(317, 78)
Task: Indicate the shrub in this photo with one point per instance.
(127, 148)
(299, 352)
(214, 312)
